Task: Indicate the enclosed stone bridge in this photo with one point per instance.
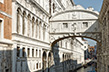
(75, 23)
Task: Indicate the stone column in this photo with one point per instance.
(34, 52)
(30, 52)
(37, 52)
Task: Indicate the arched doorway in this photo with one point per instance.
(44, 61)
(63, 57)
(49, 61)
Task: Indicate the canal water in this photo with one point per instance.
(88, 69)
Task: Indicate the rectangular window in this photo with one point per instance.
(1, 28)
(32, 52)
(65, 25)
(23, 52)
(18, 51)
(36, 65)
(2, 1)
(36, 52)
(85, 24)
(28, 52)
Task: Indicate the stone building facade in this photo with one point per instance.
(26, 29)
(30, 34)
(102, 53)
(31, 38)
(5, 35)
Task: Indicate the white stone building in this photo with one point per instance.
(35, 23)
(30, 34)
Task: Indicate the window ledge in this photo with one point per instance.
(5, 41)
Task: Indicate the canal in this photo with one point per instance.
(84, 69)
(87, 69)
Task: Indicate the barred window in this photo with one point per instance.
(85, 24)
(65, 25)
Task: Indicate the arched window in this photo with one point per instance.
(18, 20)
(33, 26)
(23, 52)
(37, 28)
(44, 60)
(28, 52)
(49, 59)
(29, 20)
(37, 66)
(32, 52)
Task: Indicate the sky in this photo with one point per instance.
(91, 42)
(96, 4)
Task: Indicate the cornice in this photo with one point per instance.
(30, 12)
(41, 8)
(4, 13)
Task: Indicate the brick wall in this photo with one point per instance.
(6, 8)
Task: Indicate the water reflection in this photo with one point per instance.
(85, 69)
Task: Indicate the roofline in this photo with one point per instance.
(66, 11)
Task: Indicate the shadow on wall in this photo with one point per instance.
(5, 60)
(55, 63)
(93, 27)
(50, 63)
(21, 60)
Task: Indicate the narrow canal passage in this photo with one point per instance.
(87, 69)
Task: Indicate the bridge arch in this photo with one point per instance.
(75, 23)
(62, 38)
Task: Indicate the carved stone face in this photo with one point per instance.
(73, 27)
